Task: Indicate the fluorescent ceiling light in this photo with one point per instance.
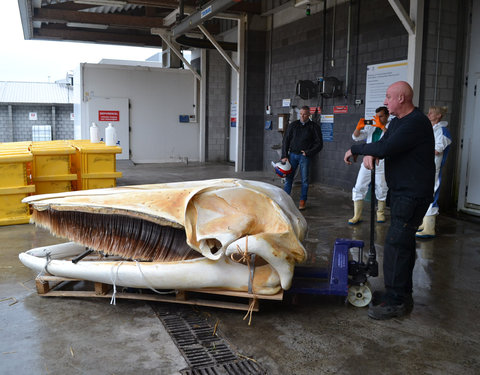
(102, 2)
(87, 25)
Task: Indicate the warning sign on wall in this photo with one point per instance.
(340, 109)
(108, 115)
(315, 109)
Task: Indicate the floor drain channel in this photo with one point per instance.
(240, 367)
(204, 351)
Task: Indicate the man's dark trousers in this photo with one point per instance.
(400, 251)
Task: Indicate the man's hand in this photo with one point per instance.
(361, 124)
(284, 160)
(377, 123)
(369, 160)
(349, 155)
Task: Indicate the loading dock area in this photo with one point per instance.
(318, 334)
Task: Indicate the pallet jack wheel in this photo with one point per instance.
(359, 295)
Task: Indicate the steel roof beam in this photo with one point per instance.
(115, 20)
(208, 11)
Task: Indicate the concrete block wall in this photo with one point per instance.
(15, 125)
(22, 128)
(254, 123)
(63, 123)
(6, 128)
(304, 50)
(218, 107)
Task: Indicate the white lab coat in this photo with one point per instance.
(442, 141)
(364, 175)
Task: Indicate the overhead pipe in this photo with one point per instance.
(324, 42)
(332, 61)
(435, 86)
(181, 10)
(347, 62)
(270, 49)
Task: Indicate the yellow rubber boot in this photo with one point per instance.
(429, 227)
(381, 211)
(357, 212)
(420, 228)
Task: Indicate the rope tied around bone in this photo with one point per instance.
(44, 271)
(149, 284)
(114, 277)
(250, 260)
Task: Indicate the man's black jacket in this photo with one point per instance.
(306, 137)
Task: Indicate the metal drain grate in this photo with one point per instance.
(204, 351)
(240, 367)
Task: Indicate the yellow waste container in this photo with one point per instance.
(51, 167)
(95, 165)
(14, 185)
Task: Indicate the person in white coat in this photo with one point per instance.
(443, 139)
(372, 133)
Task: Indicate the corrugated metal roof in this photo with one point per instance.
(36, 92)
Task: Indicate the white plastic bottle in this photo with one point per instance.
(110, 135)
(94, 134)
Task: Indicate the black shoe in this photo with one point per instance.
(384, 311)
(408, 302)
(379, 297)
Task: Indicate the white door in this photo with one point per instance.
(473, 169)
(469, 190)
(103, 111)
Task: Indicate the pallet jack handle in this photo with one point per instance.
(372, 265)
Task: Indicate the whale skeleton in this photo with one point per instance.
(226, 234)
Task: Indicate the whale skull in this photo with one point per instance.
(187, 234)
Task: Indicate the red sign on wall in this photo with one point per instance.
(340, 109)
(108, 115)
(312, 110)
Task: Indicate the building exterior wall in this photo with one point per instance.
(316, 46)
(5, 124)
(63, 122)
(18, 120)
(305, 50)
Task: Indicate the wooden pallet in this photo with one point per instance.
(54, 286)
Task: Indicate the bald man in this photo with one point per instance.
(408, 148)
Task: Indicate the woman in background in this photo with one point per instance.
(443, 139)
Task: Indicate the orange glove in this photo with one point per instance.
(377, 123)
(361, 124)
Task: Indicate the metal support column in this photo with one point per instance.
(239, 162)
(203, 106)
(415, 48)
(414, 26)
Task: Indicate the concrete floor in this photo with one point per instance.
(317, 335)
